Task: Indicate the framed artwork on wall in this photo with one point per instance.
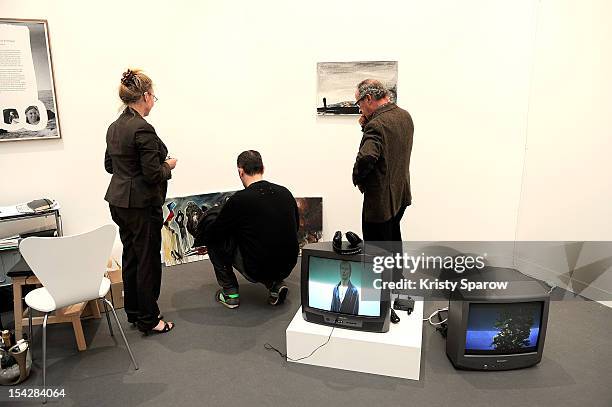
(337, 81)
(28, 103)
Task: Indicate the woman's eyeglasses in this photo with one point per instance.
(154, 97)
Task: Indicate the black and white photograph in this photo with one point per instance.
(27, 91)
(337, 81)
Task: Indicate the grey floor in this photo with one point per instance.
(216, 356)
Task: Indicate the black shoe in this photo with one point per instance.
(131, 321)
(278, 294)
(229, 300)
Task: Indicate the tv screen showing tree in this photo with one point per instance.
(503, 328)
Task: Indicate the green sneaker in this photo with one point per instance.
(229, 300)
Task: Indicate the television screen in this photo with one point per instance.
(503, 328)
(346, 287)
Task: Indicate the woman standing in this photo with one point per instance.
(138, 160)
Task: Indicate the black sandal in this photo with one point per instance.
(168, 326)
(135, 323)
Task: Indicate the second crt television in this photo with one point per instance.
(340, 290)
(498, 329)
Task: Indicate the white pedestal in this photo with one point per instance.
(396, 353)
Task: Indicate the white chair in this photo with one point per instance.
(71, 269)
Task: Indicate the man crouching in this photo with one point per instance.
(256, 233)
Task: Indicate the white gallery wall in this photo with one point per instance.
(567, 189)
(509, 101)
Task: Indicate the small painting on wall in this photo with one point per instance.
(337, 82)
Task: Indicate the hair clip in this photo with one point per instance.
(128, 78)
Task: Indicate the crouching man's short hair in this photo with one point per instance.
(250, 161)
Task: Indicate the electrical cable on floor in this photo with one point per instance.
(441, 326)
(436, 312)
(270, 347)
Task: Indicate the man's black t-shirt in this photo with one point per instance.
(263, 219)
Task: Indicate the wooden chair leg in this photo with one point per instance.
(78, 333)
(18, 309)
(94, 309)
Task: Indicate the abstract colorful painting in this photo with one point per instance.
(181, 215)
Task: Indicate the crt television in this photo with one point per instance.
(498, 329)
(342, 290)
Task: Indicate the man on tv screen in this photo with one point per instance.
(345, 298)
